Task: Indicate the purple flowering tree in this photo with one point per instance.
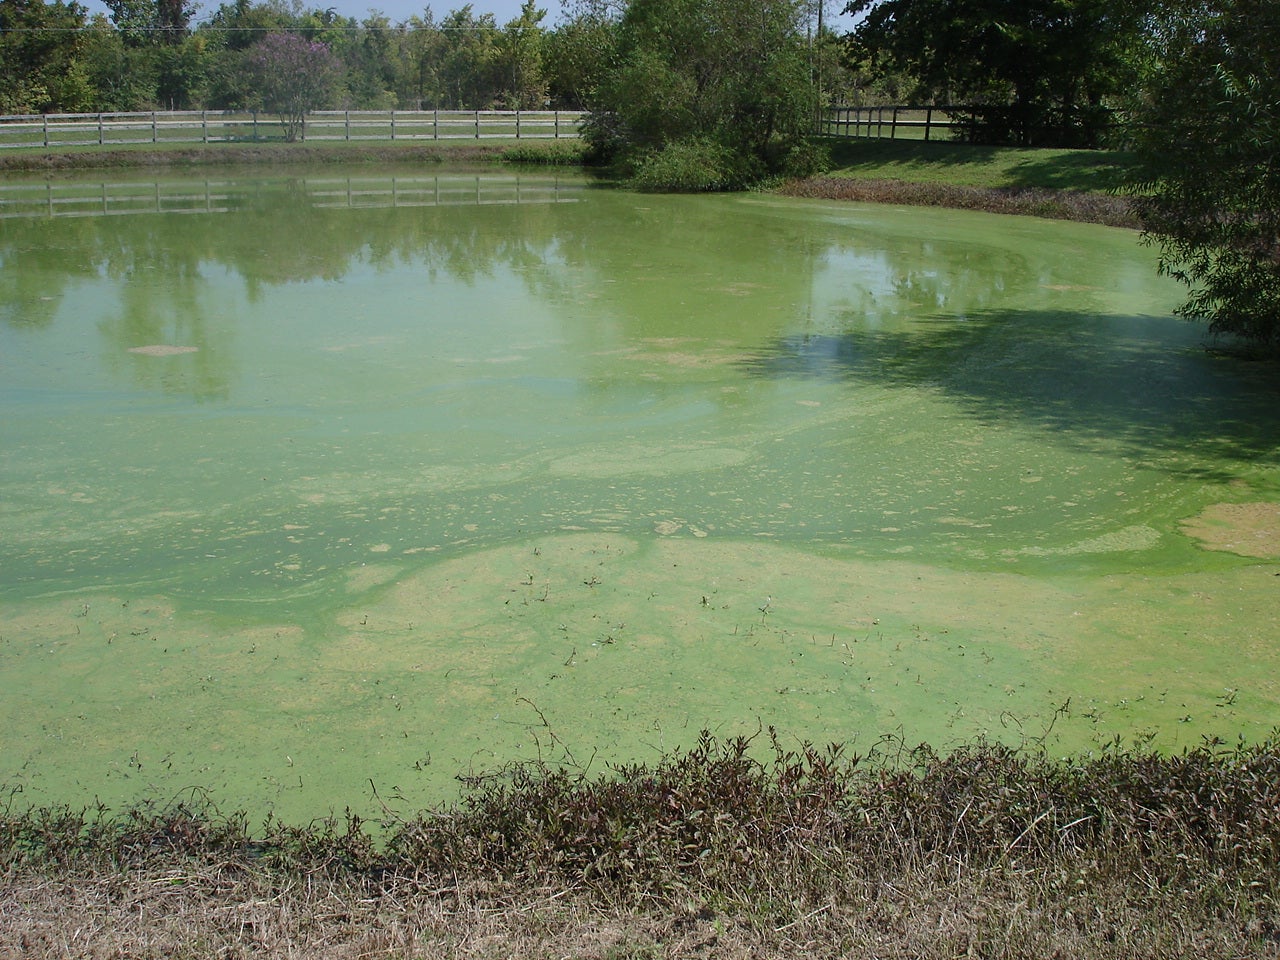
(292, 76)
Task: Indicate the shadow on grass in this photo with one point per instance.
(946, 161)
(1092, 381)
(1074, 170)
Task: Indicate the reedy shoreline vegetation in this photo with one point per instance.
(987, 851)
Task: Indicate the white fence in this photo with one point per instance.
(209, 126)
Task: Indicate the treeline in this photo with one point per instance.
(149, 54)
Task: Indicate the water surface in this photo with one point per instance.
(321, 484)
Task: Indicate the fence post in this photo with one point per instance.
(204, 126)
(255, 125)
(155, 130)
(393, 136)
(893, 124)
(45, 124)
(557, 124)
(435, 123)
(346, 124)
(517, 123)
(477, 124)
(100, 141)
(928, 120)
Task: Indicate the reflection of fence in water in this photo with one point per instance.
(210, 196)
(211, 126)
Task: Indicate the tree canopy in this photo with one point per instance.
(1206, 136)
(1029, 72)
(712, 93)
(154, 54)
(40, 66)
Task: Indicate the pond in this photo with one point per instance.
(328, 488)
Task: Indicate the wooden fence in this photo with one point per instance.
(80, 199)
(209, 126)
(888, 122)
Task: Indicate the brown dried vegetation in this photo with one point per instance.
(1083, 206)
(985, 852)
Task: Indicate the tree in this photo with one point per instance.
(467, 70)
(1207, 144)
(158, 62)
(1031, 72)
(422, 53)
(241, 23)
(143, 22)
(109, 70)
(520, 56)
(40, 69)
(372, 58)
(705, 94)
(292, 77)
(580, 49)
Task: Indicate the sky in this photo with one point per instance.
(503, 11)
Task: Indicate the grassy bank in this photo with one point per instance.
(959, 164)
(1081, 185)
(903, 853)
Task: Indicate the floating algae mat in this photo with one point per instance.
(330, 491)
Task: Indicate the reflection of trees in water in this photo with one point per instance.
(280, 233)
(276, 237)
(177, 316)
(618, 268)
(37, 260)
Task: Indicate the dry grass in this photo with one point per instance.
(1079, 205)
(985, 852)
(226, 913)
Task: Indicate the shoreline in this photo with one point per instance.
(1079, 206)
(1075, 205)
(713, 853)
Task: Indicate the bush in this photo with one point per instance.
(693, 165)
(566, 153)
(704, 94)
(805, 159)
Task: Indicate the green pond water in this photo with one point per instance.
(322, 483)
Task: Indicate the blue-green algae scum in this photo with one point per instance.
(316, 486)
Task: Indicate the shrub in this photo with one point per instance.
(693, 165)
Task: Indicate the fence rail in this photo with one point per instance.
(209, 126)
(894, 122)
(77, 199)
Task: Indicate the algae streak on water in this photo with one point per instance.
(328, 485)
